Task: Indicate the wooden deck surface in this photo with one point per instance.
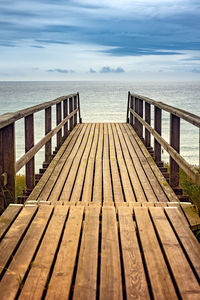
(102, 223)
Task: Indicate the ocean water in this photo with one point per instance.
(104, 102)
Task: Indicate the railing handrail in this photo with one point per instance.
(8, 118)
(187, 116)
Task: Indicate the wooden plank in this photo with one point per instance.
(128, 191)
(86, 277)
(34, 285)
(53, 187)
(14, 235)
(110, 277)
(58, 121)
(8, 217)
(89, 176)
(107, 182)
(165, 186)
(61, 279)
(135, 280)
(139, 171)
(69, 183)
(148, 120)
(136, 183)
(161, 196)
(186, 238)
(79, 181)
(14, 277)
(175, 143)
(65, 114)
(183, 275)
(97, 189)
(117, 188)
(45, 177)
(48, 124)
(158, 129)
(160, 280)
(191, 215)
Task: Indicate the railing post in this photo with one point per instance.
(140, 113)
(148, 120)
(70, 110)
(29, 143)
(7, 162)
(128, 105)
(175, 143)
(48, 145)
(65, 114)
(79, 109)
(131, 106)
(158, 128)
(137, 111)
(58, 120)
(75, 107)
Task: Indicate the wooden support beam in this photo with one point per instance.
(29, 143)
(48, 124)
(140, 113)
(79, 109)
(137, 112)
(58, 121)
(158, 128)
(65, 114)
(175, 143)
(131, 106)
(148, 120)
(75, 106)
(70, 110)
(7, 160)
(128, 106)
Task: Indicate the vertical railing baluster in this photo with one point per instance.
(131, 106)
(58, 120)
(175, 143)
(29, 143)
(48, 124)
(128, 105)
(79, 109)
(75, 107)
(65, 114)
(148, 120)
(7, 161)
(140, 112)
(70, 110)
(158, 128)
(136, 120)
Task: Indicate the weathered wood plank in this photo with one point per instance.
(8, 217)
(89, 176)
(161, 283)
(86, 278)
(69, 183)
(46, 176)
(107, 182)
(97, 189)
(128, 191)
(34, 285)
(13, 278)
(61, 279)
(117, 188)
(135, 280)
(110, 277)
(186, 237)
(29, 143)
(184, 277)
(14, 235)
(138, 148)
(139, 171)
(136, 183)
(79, 181)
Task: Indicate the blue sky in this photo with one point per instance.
(98, 40)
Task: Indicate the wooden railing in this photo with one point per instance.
(67, 108)
(139, 115)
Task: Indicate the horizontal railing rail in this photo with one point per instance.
(139, 116)
(67, 109)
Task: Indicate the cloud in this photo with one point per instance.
(63, 71)
(37, 46)
(92, 70)
(196, 70)
(111, 70)
(52, 42)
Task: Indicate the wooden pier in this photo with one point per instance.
(102, 222)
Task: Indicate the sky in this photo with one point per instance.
(99, 40)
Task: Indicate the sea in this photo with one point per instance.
(104, 101)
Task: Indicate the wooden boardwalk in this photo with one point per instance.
(102, 223)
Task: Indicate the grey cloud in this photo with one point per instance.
(64, 71)
(92, 70)
(111, 70)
